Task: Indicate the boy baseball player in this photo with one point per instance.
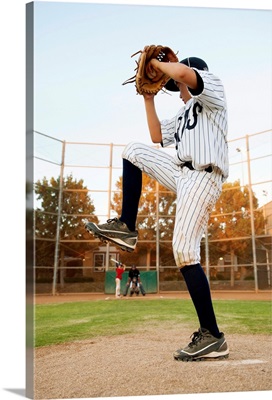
(195, 174)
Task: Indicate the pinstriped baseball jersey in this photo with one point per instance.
(199, 130)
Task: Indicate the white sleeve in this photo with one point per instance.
(212, 96)
(168, 129)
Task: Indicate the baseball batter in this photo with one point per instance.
(195, 174)
(120, 269)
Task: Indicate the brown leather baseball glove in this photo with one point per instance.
(146, 79)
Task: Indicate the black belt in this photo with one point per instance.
(189, 165)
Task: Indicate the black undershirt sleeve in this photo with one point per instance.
(200, 86)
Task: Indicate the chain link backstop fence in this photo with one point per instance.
(236, 249)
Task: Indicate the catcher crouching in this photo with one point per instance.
(134, 284)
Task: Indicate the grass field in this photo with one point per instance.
(68, 322)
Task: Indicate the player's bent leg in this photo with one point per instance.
(142, 290)
(203, 347)
(157, 165)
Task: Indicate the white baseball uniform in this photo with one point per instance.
(199, 132)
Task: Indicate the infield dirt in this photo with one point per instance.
(141, 363)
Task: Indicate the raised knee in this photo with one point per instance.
(129, 149)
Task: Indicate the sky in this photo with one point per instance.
(82, 55)
(240, 48)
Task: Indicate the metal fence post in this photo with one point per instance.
(157, 237)
(56, 257)
(252, 217)
(109, 203)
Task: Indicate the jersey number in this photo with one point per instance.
(187, 123)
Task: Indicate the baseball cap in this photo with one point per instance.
(193, 62)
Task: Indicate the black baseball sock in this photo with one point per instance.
(132, 188)
(199, 290)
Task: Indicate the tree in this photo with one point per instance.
(76, 205)
(231, 219)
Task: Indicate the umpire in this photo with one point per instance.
(134, 282)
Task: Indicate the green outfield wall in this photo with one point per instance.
(148, 279)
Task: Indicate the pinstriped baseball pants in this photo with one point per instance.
(196, 191)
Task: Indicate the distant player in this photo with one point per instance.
(134, 283)
(195, 174)
(120, 269)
